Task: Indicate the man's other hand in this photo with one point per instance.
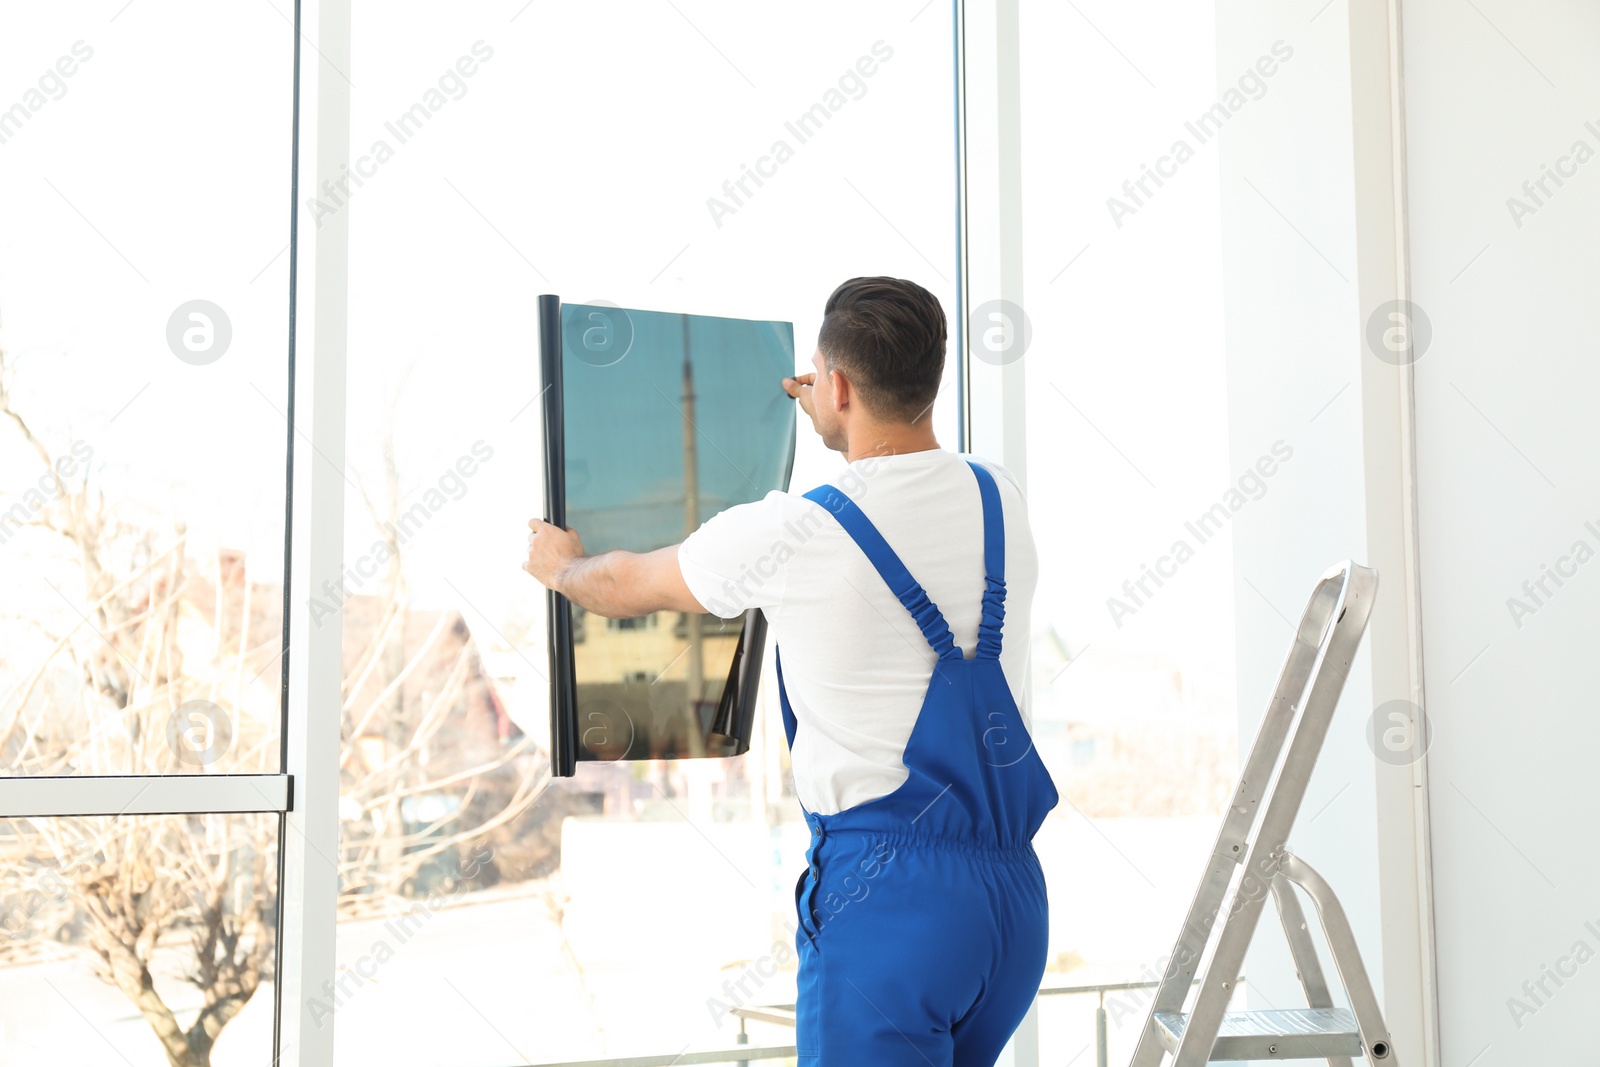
(550, 550)
(801, 388)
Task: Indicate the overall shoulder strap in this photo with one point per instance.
(994, 565)
(888, 565)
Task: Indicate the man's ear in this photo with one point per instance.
(841, 390)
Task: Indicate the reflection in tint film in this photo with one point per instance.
(669, 419)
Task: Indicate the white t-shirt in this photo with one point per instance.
(855, 665)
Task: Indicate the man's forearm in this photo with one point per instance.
(616, 584)
(597, 584)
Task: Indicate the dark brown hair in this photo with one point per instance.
(887, 335)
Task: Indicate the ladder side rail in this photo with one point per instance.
(1306, 964)
(1337, 657)
(1338, 641)
(1201, 921)
(1375, 1040)
(1308, 968)
(1222, 974)
(1229, 850)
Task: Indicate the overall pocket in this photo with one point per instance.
(804, 907)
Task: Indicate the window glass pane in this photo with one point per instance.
(668, 419)
(143, 375)
(620, 912)
(1127, 439)
(146, 940)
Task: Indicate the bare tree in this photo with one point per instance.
(418, 711)
(158, 663)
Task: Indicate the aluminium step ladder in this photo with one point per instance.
(1252, 842)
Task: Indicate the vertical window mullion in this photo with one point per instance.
(309, 879)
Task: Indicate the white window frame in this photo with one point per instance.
(308, 882)
(991, 398)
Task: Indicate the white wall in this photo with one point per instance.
(1505, 438)
(1507, 441)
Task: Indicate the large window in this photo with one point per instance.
(708, 157)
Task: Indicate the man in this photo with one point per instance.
(921, 916)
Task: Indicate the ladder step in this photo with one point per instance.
(1290, 1034)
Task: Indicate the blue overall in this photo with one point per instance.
(921, 917)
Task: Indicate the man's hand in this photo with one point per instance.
(801, 388)
(551, 551)
(616, 584)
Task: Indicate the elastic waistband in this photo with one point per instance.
(901, 839)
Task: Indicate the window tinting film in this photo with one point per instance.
(666, 420)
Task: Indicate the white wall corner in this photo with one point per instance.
(1389, 468)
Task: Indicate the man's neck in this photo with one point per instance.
(890, 440)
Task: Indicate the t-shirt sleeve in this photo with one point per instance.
(737, 559)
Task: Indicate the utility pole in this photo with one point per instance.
(694, 686)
